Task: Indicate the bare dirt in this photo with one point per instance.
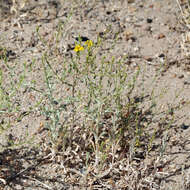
(149, 33)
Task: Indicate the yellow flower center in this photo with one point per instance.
(89, 43)
(78, 48)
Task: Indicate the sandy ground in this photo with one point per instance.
(149, 33)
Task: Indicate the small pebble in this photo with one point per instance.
(108, 12)
(149, 20)
(161, 55)
(131, 1)
(187, 81)
(184, 126)
(82, 38)
(160, 36)
(181, 76)
(147, 58)
(113, 19)
(148, 28)
(133, 38)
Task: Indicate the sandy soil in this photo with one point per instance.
(149, 33)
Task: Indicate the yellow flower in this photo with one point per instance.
(78, 48)
(89, 43)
